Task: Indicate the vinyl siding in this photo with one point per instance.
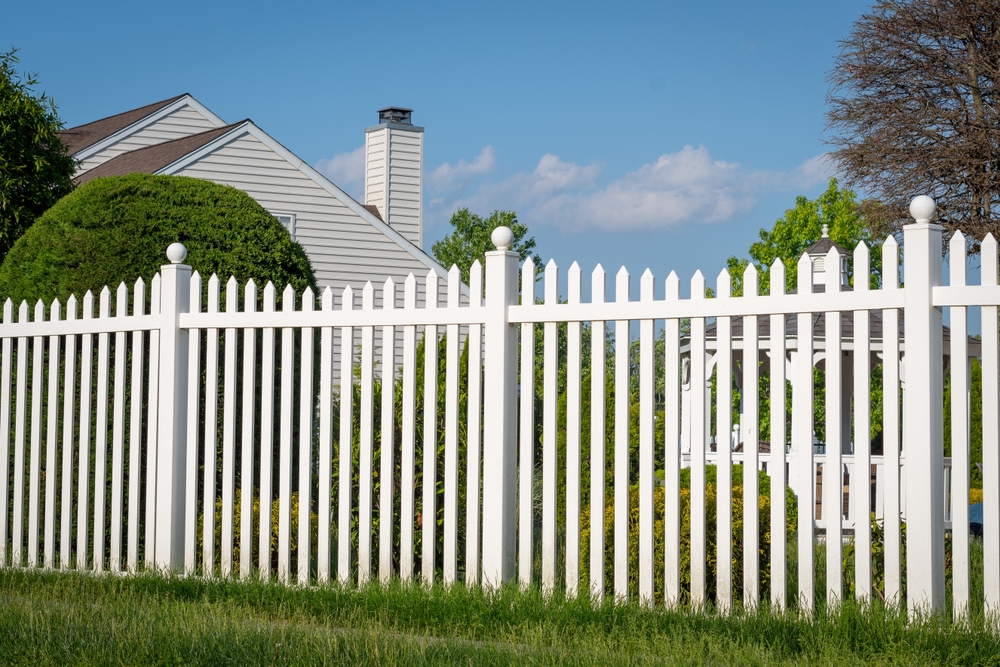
(403, 196)
(181, 123)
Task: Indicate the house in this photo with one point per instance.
(348, 242)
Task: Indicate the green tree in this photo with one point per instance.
(802, 226)
(35, 170)
(470, 240)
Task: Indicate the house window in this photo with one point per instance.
(287, 221)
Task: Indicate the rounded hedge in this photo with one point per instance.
(118, 228)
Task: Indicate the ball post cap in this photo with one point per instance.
(922, 208)
(176, 253)
(502, 237)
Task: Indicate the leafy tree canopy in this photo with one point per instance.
(35, 170)
(471, 240)
(802, 226)
(118, 228)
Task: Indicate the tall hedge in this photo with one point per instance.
(118, 228)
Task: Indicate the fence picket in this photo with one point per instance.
(152, 423)
(623, 404)
(266, 435)
(51, 433)
(699, 438)
(723, 438)
(861, 477)
(526, 456)
(550, 436)
(387, 446)
(83, 476)
(891, 424)
(285, 438)
(751, 446)
(991, 439)
(407, 514)
(833, 477)
(777, 459)
(247, 445)
(69, 422)
(598, 377)
(5, 440)
(324, 498)
(450, 573)
(118, 434)
(802, 440)
(306, 407)
(646, 435)
(229, 430)
(101, 436)
(345, 444)
(366, 444)
(573, 419)
(671, 449)
(211, 430)
(959, 439)
(34, 475)
(428, 480)
(473, 453)
(193, 411)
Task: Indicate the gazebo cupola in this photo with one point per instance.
(817, 253)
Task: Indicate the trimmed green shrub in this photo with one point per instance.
(118, 228)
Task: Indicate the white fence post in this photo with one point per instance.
(500, 417)
(175, 289)
(923, 401)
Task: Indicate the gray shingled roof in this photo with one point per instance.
(80, 137)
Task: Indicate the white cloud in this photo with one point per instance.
(688, 186)
(346, 170)
(452, 177)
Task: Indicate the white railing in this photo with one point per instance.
(226, 433)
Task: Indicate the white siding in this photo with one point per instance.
(393, 160)
(183, 122)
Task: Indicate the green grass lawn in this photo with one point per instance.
(66, 619)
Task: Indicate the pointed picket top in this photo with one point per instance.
(39, 311)
(105, 302)
(389, 294)
(288, 299)
(988, 260)
(368, 297)
(890, 263)
(8, 311)
(22, 311)
(142, 283)
(232, 295)
(308, 300)
(410, 291)
(432, 290)
(574, 279)
(862, 267)
(646, 286)
(121, 300)
(623, 283)
(723, 285)
(751, 281)
(805, 274)
(88, 305)
(250, 297)
(698, 285)
(598, 285)
(454, 286)
(326, 303)
(270, 296)
(672, 287)
(777, 278)
(71, 306)
(213, 293)
(347, 301)
(832, 271)
(476, 284)
(55, 311)
(195, 305)
(528, 282)
(551, 282)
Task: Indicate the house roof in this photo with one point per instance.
(152, 159)
(80, 137)
(824, 245)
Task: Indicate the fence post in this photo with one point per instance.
(500, 416)
(923, 410)
(171, 442)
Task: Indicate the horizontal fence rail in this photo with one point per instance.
(714, 449)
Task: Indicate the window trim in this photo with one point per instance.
(291, 224)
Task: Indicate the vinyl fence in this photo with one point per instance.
(224, 432)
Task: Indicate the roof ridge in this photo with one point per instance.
(81, 137)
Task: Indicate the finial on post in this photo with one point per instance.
(922, 208)
(502, 238)
(826, 231)
(176, 253)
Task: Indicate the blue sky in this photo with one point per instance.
(659, 135)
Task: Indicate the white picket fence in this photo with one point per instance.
(126, 457)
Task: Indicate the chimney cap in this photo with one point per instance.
(395, 115)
